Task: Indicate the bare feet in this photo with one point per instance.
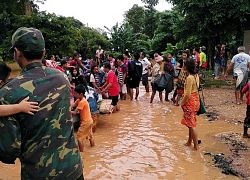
(187, 144)
(195, 148)
(92, 142)
(176, 104)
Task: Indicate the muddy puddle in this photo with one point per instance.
(145, 141)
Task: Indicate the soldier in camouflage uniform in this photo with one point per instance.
(44, 143)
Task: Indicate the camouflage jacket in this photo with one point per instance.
(44, 143)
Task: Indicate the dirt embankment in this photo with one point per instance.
(221, 106)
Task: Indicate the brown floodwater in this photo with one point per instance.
(146, 141)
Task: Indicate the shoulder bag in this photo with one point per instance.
(202, 109)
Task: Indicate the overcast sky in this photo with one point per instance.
(96, 13)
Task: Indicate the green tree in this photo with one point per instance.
(122, 37)
(212, 21)
(91, 38)
(150, 18)
(20, 7)
(63, 35)
(150, 3)
(135, 17)
(165, 31)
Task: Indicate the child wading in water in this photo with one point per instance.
(190, 102)
(86, 122)
(246, 125)
(10, 109)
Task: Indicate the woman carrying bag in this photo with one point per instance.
(156, 72)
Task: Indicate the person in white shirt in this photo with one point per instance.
(99, 52)
(146, 65)
(240, 64)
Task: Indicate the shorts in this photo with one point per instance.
(145, 79)
(223, 62)
(134, 83)
(155, 87)
(123, 88)
(85, 130)
(240, 86)
(114, 100)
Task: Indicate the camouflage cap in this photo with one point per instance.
(28, 39)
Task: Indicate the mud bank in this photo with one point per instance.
(221, 106)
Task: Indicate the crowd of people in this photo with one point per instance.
(37, 106)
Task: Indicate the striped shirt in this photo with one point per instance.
(121, 71)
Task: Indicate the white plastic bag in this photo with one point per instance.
(105, 106)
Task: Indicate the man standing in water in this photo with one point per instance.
(44, 143)
(145, 65)
(135, 74)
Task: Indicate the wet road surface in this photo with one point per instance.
(146, 141)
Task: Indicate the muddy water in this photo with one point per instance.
(145, 141)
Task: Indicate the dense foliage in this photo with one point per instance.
(189, 24)
(212, 22)
(63, 35)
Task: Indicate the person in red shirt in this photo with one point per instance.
(52, 63)
(76, 62)
(246, 125)
(111, 86)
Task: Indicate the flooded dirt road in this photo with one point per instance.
(146, 141)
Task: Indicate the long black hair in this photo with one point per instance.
(80, 89)
(92, 68)
(82, 81)
(190, 65)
